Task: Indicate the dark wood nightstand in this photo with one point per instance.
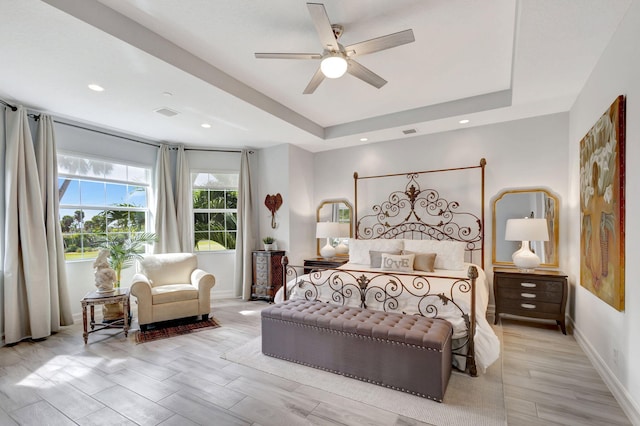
(539, 294)
(322, 263)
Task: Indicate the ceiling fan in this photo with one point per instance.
(338, 59)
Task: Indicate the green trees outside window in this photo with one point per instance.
(100, 201)
(215, 204)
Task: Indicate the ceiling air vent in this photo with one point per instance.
(409, 131)
(166, 112)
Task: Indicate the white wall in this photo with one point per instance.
(273, 178)
(599, 328)
(302, 215)
(288, 170)
(520, 154)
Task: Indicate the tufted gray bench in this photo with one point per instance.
(404, 352)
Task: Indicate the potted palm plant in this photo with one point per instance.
(122, 253)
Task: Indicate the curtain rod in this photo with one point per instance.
(8, 105)
(157, 145)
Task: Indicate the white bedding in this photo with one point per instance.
(487, 344)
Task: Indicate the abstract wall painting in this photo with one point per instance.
(602, 192)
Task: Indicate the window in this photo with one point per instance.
(99, 200)
(215, 210)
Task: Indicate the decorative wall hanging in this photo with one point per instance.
(273, 203)
(602, 206)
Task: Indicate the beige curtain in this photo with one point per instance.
(35, 294)
(184, 202)
(48, 173)
(245, 241)
(166, 223)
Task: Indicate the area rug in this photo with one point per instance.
(167, 329)
(472, 401)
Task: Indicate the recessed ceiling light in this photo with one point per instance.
(465, 121)
(96, 88)
(363, 139)
(206, 125)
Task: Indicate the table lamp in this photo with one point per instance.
(327, 230)
(526, 230)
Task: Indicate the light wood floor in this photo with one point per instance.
(183, 381)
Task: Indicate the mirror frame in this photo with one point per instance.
(554, 263)
(335, 201)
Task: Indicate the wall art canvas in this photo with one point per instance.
(602, 206)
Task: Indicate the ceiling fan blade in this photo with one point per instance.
(323, 26)
(381, 43)
(288, 56)
(314, 83)
(365, 74)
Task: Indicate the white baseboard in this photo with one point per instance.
(224, 294)
(620, 393)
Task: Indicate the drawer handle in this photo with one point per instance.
(528, 305)
(528, 295)
(529, 285)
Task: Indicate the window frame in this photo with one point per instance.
(194, 210)
(149, 192)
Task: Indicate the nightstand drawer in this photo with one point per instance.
(533, 296)
(531, 284)
(529, 307)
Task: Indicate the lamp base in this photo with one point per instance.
(524, 259)
(342, 248)
(328, 251)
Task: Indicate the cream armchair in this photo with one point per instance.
(170, 286)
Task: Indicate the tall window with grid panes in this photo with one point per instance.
(215, 210)
(99, 200)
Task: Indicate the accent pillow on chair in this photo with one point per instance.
(170, 286)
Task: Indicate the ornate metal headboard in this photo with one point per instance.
(416, 213)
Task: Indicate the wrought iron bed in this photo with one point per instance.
(409, 213)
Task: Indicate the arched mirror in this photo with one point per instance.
(519, 203)
(338, 210)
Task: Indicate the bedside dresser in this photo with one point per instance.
(539, 294)
(322, 263)
(267, 274)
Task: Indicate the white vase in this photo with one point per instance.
(269, 247)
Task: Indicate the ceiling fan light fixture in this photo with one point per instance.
(333, 66)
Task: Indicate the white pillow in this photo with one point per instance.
(359, 249)
(397, 262)
(449, 254)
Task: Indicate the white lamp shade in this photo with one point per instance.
(327, 229)
(333, 66)
(527, 230)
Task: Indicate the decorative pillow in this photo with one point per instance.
(449, 254)
(376, 256)
(423, 261)
(397, 262)
(359, 249)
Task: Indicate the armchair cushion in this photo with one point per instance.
(172, 292)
